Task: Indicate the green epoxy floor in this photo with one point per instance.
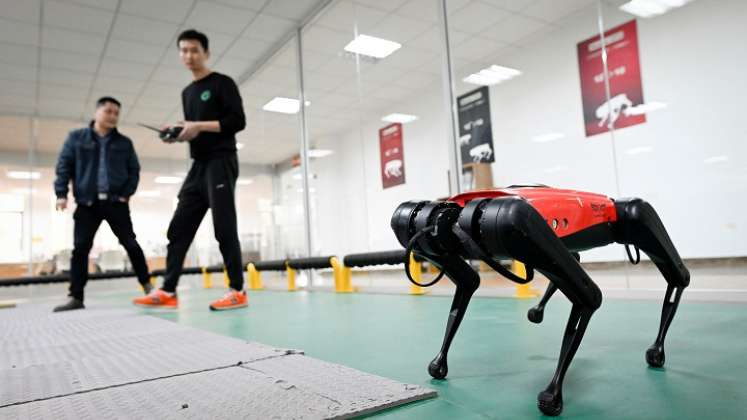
(500, 361)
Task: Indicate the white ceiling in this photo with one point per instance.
(58, 57)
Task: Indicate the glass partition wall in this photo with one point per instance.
(676, 140)
(366, 104)
(376, 118)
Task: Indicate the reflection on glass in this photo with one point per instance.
(377, 120)
(680, 151)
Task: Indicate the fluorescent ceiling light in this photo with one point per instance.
(492, 75)
(319, 153)
(372, 46)
(23, 175)
(244, 181)
(638, 150)
(544, 138)
(555, 169)
(283, 105)
(399, 118)
(168, 180)
(651, 8)
(239, 146)
(148, 193)
(716, 159)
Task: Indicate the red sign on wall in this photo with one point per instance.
(392, 155)
(623, 109)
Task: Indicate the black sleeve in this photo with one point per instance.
(133, 173)
(232, 115)
(65, 167)
(184, 105)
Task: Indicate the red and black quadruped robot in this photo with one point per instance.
(546, 229)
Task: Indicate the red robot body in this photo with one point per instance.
(566, 211)
(546, 229)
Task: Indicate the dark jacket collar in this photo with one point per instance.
(91, 132)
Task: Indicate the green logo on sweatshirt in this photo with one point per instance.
(205, 95)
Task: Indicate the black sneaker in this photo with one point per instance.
(73, 303)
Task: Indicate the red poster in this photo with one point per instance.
(626, 91)
(392, 155)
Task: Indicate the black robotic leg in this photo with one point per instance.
(550, 401)
(536, 314)
(640, 226)
(655, 353)
(466, 281)
(512, 227)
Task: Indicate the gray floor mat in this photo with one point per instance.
(219, 394)
(117, 364)
(61, 355)
(352, 391)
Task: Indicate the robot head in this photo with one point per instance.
(434, 217)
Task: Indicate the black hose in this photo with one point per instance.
(408, 253)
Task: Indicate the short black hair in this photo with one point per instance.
(193, 35)
(107, 99)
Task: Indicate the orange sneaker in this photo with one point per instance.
(157, 299)
(231, 300)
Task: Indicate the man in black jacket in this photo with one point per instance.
(104, 170)
(213, 114)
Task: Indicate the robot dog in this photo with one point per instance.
(546, 229)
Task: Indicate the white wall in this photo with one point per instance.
(691, 58)
(353, 209)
